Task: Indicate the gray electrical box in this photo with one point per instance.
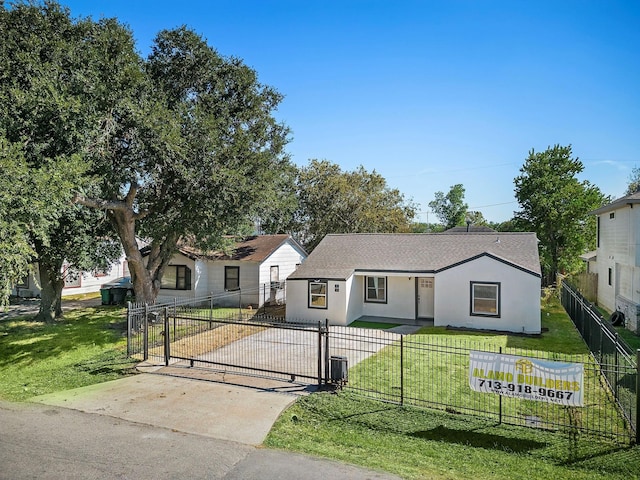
(339, 369)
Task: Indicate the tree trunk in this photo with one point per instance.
(144, 277)
(51, 285)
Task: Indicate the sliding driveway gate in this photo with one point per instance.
(247, 344)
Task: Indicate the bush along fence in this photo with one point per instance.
(434, 371)
(618, 363)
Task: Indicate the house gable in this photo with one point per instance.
(496, 258)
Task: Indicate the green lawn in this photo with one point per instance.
(424, 444)
(87, 347)
(420, 443)
(372, 325)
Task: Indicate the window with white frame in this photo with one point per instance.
(318, 294)
(485, 299)
(274, 276)
(176, 277)
(376, 289)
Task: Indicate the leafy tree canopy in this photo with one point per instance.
(450, 208)
(555, 205)
(335, 201)
(52, 73)
(634, 181)
(188, 148)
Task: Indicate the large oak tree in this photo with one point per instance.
(50, 70)
(188, 151)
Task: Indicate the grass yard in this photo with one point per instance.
(87, 347)
(425, 444)
(418, 443)
(372, 325)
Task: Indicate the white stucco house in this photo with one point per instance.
(75, 282)
(470, 280)
(252, 274)
(617, 257)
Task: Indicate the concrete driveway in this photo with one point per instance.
(223, 406)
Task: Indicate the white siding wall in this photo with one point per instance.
(298, 299)
(200, 279)
(619, 251)
(401, 299)
(519, 297)
(287, 257)
(354, 307)
(249, 272)
(89, 283)
(167, 294)
(347, 305)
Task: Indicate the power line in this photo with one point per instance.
(462, 169)
(474, 208)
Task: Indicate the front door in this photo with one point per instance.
(425, 297)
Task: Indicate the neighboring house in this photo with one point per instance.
(252, 274)
(617, 260)
(471, 280)
(75, 282)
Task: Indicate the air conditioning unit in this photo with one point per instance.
(339, 369)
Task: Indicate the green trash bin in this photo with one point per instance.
(105, 293)
(118, 294)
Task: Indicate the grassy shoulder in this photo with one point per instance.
(419, 443)
(88, 346)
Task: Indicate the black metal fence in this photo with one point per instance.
(433, 371)
(618, 363)
(422, 370)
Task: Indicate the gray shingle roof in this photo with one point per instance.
(339, 256)
(619, 203)
(250, 249)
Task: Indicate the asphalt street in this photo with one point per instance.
(47, 442)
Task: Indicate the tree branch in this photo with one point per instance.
(99, 204)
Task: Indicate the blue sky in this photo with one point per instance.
(432, 93)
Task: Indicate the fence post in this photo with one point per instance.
(500, 401)
(327, 373)
(175, 316)
(617, 367)
(129, 326)
(319, 354)
(167, 337)
(401, 369)
(145, 333)
(638, 397)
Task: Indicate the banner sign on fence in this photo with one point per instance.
(527, 378)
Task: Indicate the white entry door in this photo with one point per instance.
(425, 297)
